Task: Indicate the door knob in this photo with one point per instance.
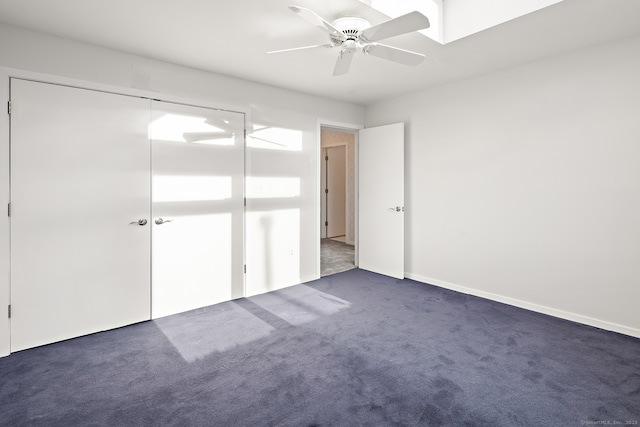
(161, 221)
(397, 209)
(140, 222)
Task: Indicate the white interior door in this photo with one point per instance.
(198, 206)
(336, 196)
(381, 200)
(79, 177)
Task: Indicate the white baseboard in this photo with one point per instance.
(602, 324)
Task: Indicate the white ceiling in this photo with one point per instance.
(231, 37)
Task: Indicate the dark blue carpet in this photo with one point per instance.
(351, 349)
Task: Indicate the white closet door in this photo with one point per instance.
(80, 176)
(198, 207)
(381, 201)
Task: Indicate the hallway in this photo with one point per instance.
(336, 257)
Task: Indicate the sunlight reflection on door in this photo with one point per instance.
(193, 129)
(210, 260)
(170, 188)
(198, 204)
(259, 187)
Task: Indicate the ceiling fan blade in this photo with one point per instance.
(300, 48)
(343, 63)
(412, 21)
(394, 54)
(317, 21)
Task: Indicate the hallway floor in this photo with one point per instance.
(335, 257)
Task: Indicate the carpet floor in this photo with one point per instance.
(355, 348)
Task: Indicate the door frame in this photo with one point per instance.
(342, 127)
(7, 73)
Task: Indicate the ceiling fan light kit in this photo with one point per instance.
(353, 34)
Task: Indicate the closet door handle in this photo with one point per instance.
(161, 221)
(140, 222)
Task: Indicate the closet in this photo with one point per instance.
(123, 209)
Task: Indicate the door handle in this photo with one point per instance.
(161, 221)
(140, 222)
(397, 209)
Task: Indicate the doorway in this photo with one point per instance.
(337, 200)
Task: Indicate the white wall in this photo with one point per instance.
(524, 185)
(292, 119)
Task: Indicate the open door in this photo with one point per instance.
(381, 201)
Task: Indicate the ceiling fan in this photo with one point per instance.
(352, 34)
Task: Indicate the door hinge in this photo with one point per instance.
(9, 311)
(9, 209)
(245, 269)
(326, 191)
(245, 201)
(326, 223)
(326, 158)
(9, 107)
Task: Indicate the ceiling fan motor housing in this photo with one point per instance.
(351, 26)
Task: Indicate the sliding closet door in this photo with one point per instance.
(198, 206)
(80, 179)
